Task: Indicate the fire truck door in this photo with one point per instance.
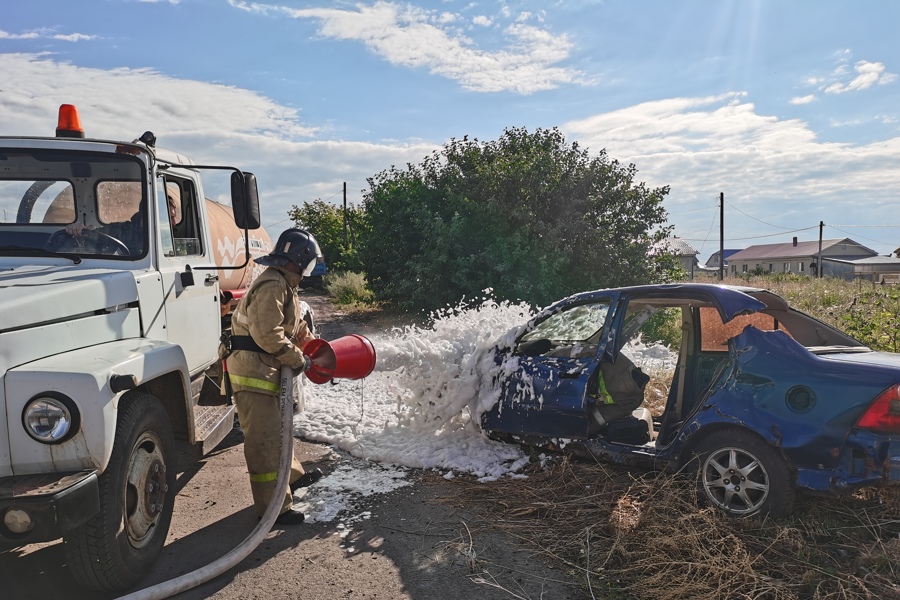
(192, 307)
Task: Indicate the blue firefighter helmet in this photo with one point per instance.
(296, 246)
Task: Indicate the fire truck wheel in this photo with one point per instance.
(119, 545)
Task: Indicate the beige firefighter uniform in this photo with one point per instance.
(270, 314)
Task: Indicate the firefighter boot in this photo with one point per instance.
(307, 479)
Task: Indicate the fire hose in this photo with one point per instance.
(240, 552)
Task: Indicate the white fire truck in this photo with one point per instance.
(111, 308)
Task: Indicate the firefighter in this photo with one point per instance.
(268, 331)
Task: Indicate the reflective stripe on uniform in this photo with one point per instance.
(253, 382)
(607, 398)
(264, 477)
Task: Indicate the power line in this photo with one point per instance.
(689, 202)
(754, 218)
(681, 212)
(755, 237)
(711, 225)
(859, 236)
(873, 226)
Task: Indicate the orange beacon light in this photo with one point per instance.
(69, 124)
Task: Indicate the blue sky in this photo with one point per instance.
(788, 108)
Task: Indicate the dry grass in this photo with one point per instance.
(656, 394)
(644, 536)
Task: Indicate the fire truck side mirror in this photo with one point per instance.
(245, 200)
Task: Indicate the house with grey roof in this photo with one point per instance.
(684, 252)
(843, 258)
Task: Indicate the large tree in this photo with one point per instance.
(527, 215)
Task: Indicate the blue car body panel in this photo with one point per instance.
(803, 403)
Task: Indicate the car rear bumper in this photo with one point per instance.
(53, 503)
(867, 459)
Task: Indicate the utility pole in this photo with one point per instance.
(819, 258)
(721, 236)
(345, 214)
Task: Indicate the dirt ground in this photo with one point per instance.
(415, 546)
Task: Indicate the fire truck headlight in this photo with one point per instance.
(18, 521)
(51, 418)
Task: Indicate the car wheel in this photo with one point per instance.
(742, 475)
(119, 545)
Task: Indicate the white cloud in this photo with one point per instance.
(803, 99)
(74, 37)
(447, 17)
(5, 35)
(868, 74)
(45, 33)
(408, 36)
(770, 167)
(212, 124)
(773, 168)
(482, 20)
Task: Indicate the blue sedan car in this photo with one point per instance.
(763, 401)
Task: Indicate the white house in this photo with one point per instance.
(843, 258)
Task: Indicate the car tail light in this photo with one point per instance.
(884, 414)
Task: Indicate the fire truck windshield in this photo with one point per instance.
(89, 204)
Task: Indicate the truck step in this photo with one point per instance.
(212, 424)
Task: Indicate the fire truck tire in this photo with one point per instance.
(118, 546)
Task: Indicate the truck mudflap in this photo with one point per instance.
(53, 504)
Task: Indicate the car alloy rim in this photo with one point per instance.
(145, 489)
(735, 480)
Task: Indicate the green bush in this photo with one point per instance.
(347, 288)
(664, 327)
(874, 319)
(528, 216)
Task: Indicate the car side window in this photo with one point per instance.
(714, 334)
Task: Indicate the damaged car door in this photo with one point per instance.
(548, 371)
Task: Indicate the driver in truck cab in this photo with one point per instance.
(130, 232)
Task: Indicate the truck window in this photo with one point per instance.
(164, 223)
(38, 197)
(118, 201)
(185, 222)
